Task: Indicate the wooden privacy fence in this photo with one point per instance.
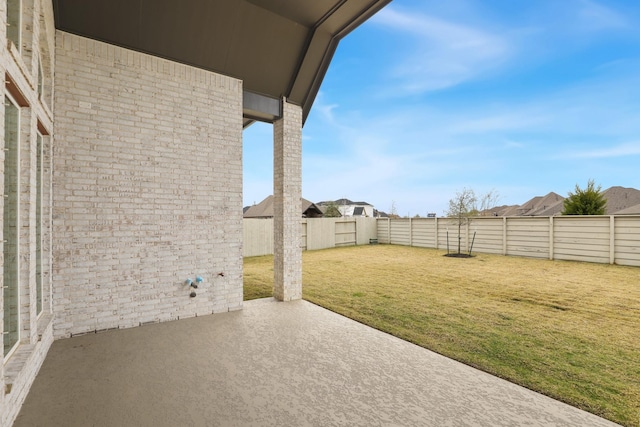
(601, 239)
(315, 233)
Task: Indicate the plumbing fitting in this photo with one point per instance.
(190, 282)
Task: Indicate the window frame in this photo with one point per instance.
(40, 81)
(39, 223)
(16, 266)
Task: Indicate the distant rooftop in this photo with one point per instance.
(342, 202)
(620, 201)
(264, 209)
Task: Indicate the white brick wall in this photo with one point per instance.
(22, 370)
(287, 191)
(147, 188)
(19, 66)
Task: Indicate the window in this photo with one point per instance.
(40, 78)
(13, 21)
(11, 225)
(40, 163)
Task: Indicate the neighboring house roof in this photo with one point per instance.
(553, 210)
(349, 208)
(632, 210)
(620, 198)
(538, 204)
(335, 202)
(380, 214)
(310, 210)
(343, 202)
(548, 203)
(278, 48)
(528, 206)
(620, 201)
(497, 210)
(509, 210)
(264, 209)
(324, 208)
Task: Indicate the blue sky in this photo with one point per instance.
(430, 97)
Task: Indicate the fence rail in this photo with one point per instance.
(602, 239)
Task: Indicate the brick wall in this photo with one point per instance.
(147, 188)
(22, 370)
(287, 191)
(20, 64)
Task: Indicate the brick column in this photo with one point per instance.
(287, 192)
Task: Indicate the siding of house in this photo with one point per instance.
(350, 210)
(148, 188)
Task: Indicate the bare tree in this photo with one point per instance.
(462, 207)
(488, 201)
(393, 211)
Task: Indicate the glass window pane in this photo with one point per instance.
(10, 224)
(39, 78)
(39, 224)
(13, 21)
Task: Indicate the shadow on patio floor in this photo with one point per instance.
(272, 364)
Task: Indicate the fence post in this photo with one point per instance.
(356, 232)
(612, 239)
(466, 232)
(504, 235)
(551, 238)
(410, 232)
(436, 231)
(389, 230)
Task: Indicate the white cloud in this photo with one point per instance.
(498, 121)
(441, 54)
(325, 110)
(593, 16)
(436, 53)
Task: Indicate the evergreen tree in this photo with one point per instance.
(589, 201)
(332, 211)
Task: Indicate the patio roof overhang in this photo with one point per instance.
(278, 48)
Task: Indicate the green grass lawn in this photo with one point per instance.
(566, 329)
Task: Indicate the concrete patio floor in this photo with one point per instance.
(273, 364)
